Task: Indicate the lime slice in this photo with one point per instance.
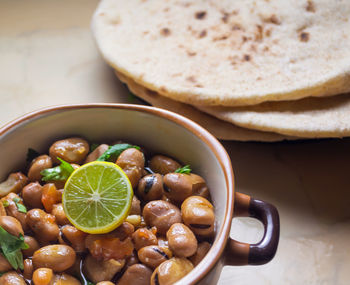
(97, 197)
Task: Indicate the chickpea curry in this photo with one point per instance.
(166, 231)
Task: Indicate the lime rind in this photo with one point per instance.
(97, 197)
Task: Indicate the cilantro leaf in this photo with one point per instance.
(10, 248)
(185, 169)
(6, 203)
(21, 208)
(31, 154)
(61, 172)
(114, 151)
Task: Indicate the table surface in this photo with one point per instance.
(48, 57)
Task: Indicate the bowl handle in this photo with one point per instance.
(239, 253)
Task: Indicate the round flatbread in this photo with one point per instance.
(221, 129)
(228, 53)
(309, 117)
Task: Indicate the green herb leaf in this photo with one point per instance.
(31, 154)
(21, 208)
(93, 146)
(114, 151)
(11, 248)
(6, 203)
(186, 169)
(61, 172)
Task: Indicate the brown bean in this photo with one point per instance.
(161, 215)
(14, 183)
(12, 278)
(177, 186)
(43, 276)
(199, 186)
(11, 225)
(105, 283)
(72, 150)
(57, 257)
(163, 164)
(198, 214)
(39, 164)
(28, 269)
(201, 252)
(65, 279)
(73, 237)
(94, 155)
(31, 194)
(97, 271)
(132, 161)
(2, 209)
(135, 206)
(137, 274)
(171, 271)
(4, 264)
(33, 246)
(43, 225)
(154, 255)
(182, 240)
(12, 209)
(150, 187)
(60, 215)
(144, 237)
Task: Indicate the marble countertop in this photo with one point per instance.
(48, 57)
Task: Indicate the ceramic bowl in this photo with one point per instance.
(163, 132)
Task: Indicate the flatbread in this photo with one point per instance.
(229, 53)
(220, 129)
(310, 117)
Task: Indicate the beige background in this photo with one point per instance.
(47, 57)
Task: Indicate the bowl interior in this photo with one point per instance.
(108, 124)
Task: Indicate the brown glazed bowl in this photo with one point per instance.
(167, 133)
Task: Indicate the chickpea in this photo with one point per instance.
(57, 257)
(97, 271)
(12, 278)
(135, 206)
(171, 271)
(4, 264)
(72, 150)
(154, 255)
(161, 214)
(94, 155)
(150, 187)
(43, 276)
(132, 161)
(43, 225)
(33, 246)
(31, 194)
(65, 279)
(137, 274)
(13, 211)
(60, 215)
(143, 237)
(182, 240)
(14, 183)
(198, 214)
(201, 252)
(11, 225)
(163, 164)
(39, 164)
(28, 269)
(73, 237)
(177, 186)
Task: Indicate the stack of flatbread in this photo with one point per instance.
(245, 70)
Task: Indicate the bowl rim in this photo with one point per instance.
(201, 133)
